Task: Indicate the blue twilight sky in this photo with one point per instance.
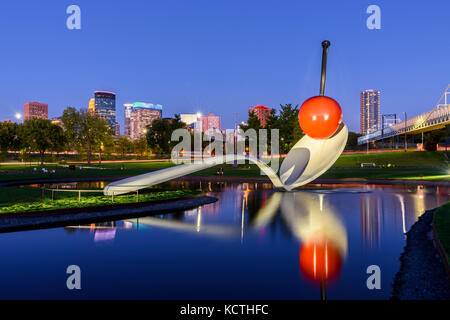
(222, 56)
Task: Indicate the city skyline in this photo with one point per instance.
(222, 73)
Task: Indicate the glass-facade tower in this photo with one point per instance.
(105, 106)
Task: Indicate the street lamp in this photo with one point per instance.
(406, 122)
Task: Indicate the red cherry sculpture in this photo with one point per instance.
(320, 261)
(320, 117)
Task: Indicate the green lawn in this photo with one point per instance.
(398, 165)
(28, 199)
(395, 165)
(442, 224)
(409, 173)
(20, 172)
(398, 159)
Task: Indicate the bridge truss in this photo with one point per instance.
(437, 118)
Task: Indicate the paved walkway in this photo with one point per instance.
(422, 274)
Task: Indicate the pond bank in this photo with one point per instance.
(261, 179)
(34, 221)
(422, 274)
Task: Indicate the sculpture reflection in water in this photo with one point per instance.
(313, 222)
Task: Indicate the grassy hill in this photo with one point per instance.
(397, 159)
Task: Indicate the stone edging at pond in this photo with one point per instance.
(261, 179)
(440, 183)
(34, 221)
(422, 274)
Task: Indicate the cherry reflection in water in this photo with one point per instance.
(322, 235)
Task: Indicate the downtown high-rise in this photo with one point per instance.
(35, 110)
(138, 116)
(105, 106)
(370, 113)
(262, 113)
(210, 122)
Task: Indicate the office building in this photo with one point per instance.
(138, 116)
(57, 121)
(117, 129)
(128, 109)
(91, 108)
(35, 110)
(210, 122)
(105, 106)
(262, 113)
(370, 111)
(191, 120)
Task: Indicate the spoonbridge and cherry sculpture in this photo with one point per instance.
(320, 118)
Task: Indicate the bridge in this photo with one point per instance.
(437, 118)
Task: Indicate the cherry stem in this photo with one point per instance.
(325, 45)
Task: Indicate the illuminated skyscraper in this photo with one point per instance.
(138, 116)
(105, 106)
(128, 110)
(35, 110)
(91, 105)
(262, 113)
(370, 111)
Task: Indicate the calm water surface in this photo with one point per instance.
(254, 243)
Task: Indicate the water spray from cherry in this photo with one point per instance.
(320, 116)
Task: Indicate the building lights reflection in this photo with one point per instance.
(105, 231)
(401, 198)
(370, 212)
(199, 219)
(307, 215)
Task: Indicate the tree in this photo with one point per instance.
(41, 135)
(86, 131)
(71, 121)
(290, 131)
(140, 146)
(10, 138)
(159, 134)
(287, 124)
(252, 122)
(352, 142)
(123, 145)
(106, 144)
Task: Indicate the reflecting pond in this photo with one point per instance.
(253, 243)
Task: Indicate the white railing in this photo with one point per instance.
(428, 119)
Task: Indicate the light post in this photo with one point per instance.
(422, 141)
(235, 164)
(18, 116)
(406, 121)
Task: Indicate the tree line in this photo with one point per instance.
(87, 133)
(80, 131)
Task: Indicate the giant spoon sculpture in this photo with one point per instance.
(320, 118)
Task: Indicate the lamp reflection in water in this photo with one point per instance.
(313, 222)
